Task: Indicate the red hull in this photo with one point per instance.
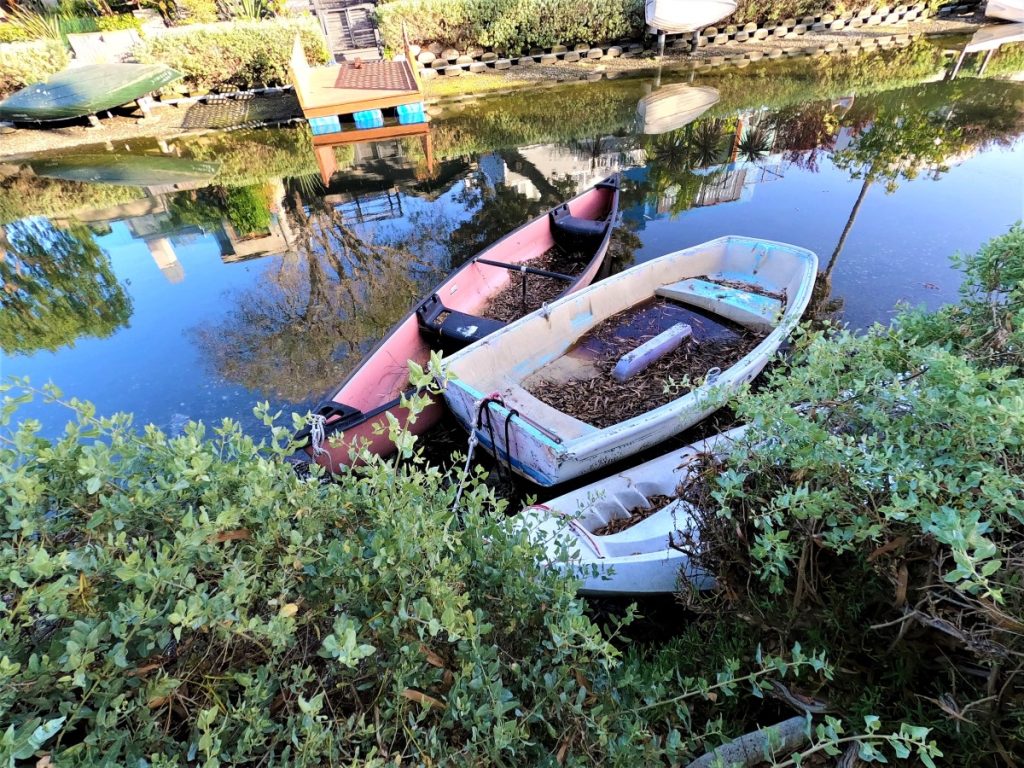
(380, 379)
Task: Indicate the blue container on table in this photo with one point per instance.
(409, 114)
(369, 118)
(324, 125)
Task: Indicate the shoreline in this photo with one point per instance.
(279, 106)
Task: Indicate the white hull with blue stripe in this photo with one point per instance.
(486, 391)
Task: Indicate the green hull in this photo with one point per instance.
(85, 91)
(128, 170)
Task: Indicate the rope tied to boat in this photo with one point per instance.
(317, 433)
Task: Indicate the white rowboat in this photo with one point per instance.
(639, 559)
(1009, 10)
(549, 446)
(674, 16)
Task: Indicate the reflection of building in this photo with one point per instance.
(532, 170)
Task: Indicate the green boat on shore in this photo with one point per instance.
(82, 91)
(134, 170)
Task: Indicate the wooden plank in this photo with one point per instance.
(371, 134)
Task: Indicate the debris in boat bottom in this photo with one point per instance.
(508, 304)
(634, 516)
(603, 401)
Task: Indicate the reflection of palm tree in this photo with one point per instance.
(709, 146)
(755, 143)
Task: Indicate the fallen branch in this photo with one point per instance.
(753, 748)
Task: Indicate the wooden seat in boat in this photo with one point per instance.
(753, 310)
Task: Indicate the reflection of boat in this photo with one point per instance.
(673, 16)
(697, 308)
(1010, 10)
(85, 91)
(673, 106)
(130, 170)
(457, 314)
(991, 36)
(988, 39)
(615, 544)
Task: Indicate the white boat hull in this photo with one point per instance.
(671, 107)
(1009, 10)
(676, 16)
(638, 560)
(549, 447)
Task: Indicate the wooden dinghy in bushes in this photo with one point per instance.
(684, 301)
(610, 556)
(454, 315)
(82, 91)
(674, 16)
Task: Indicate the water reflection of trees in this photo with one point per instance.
(57, 287)
(316, 311)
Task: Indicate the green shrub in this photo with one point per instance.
(118, 21)
(22, 64)
(235, 55)
(508, 25)
(190, 598)
(197, 11)
(887, 510)
(248, 209)
(12, 33)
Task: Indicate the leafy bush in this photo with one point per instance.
(234, 55)
(197, 11)
(22, 64)
(12, 33)
(118, 21)
(508, 25)
(887, 510)
(248, 209)
(192, 598)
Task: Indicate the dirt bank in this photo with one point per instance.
(220, 113)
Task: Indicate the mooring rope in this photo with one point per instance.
(317, 433)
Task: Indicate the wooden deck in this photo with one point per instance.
(343, 89)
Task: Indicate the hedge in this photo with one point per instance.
(509, 25)
(22, 64)
(234, 55)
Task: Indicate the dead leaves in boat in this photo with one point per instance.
(603, 401)
(508, 304)
(634, 516)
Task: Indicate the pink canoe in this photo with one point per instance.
(453, 317)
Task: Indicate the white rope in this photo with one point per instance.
(317, 433)
(470, 448)
(712, 375)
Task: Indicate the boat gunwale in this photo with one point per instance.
(561, 451)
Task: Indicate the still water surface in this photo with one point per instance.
(265, 271)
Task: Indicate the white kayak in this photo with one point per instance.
(670, 107)
(646, 558)
(674, 16)
(754, 285)
(1009, 10)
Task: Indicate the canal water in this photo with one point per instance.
(190, 278)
